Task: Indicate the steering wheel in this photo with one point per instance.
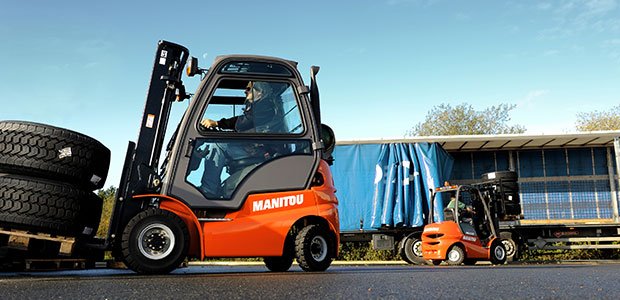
(205, 128)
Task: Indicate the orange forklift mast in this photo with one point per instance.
(245, 174)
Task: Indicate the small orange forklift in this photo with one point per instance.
(246, 173)
(468, 232)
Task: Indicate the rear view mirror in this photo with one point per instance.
(329, 142)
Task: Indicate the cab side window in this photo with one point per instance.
(222, 160)
(261, 107)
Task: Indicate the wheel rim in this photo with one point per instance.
(156, 241)
(454, 255)
(510, 247)
(417, 248)
(318, 248)
(500, 253)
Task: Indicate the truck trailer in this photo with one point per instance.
(564, 195)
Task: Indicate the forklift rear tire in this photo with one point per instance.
(497, 252)
(456, 255)
(278, 264)
(45, 151)
(313, 248)
(411, 250)
(155, 241)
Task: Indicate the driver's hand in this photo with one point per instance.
(202, 153)
(208, 123)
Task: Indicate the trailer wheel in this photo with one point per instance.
(313, 248)
(497, 252)
(50, 152)
(456, 255)
(278, 264)
(411, 250)
(512, 249)
(155, 241)
(40, 205)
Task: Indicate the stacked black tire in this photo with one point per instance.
(47, 178)
(506, 190)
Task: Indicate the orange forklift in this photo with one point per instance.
(245, 174)
(469, 230)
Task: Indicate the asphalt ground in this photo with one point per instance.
(344, 280)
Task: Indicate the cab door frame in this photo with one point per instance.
(288, 173)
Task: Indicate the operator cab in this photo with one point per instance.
(264, 136)
(466, 206)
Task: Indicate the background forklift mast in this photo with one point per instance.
(142, 187)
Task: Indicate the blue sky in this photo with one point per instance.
(85, 65)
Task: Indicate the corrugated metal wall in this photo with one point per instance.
(555, 184)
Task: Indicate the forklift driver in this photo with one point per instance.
(466, 212)
(260, 115)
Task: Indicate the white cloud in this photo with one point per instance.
(599, 7)
(551, 52)
(574, 16)
(462, 16)
(612, 48)
(529, 100)
(412, 2)
(543, 6)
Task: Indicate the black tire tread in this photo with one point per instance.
(462, 252)
(503, 175)
(497, 243)
(39, 205)
(158, 267)
(278, 264)
(406, 250)
(302, 245)
(32, 149)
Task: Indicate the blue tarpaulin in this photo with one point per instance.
(387, 185)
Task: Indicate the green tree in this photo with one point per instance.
(599, 120)
(108, 196)
(463, 119)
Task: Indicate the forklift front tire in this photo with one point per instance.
(313, 247)
(279, 263)
(155, 241)
(497, 252)
(456, 255)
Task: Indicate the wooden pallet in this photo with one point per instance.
(21, 239)
(54, 264)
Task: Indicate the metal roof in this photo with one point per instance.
(507, 141)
